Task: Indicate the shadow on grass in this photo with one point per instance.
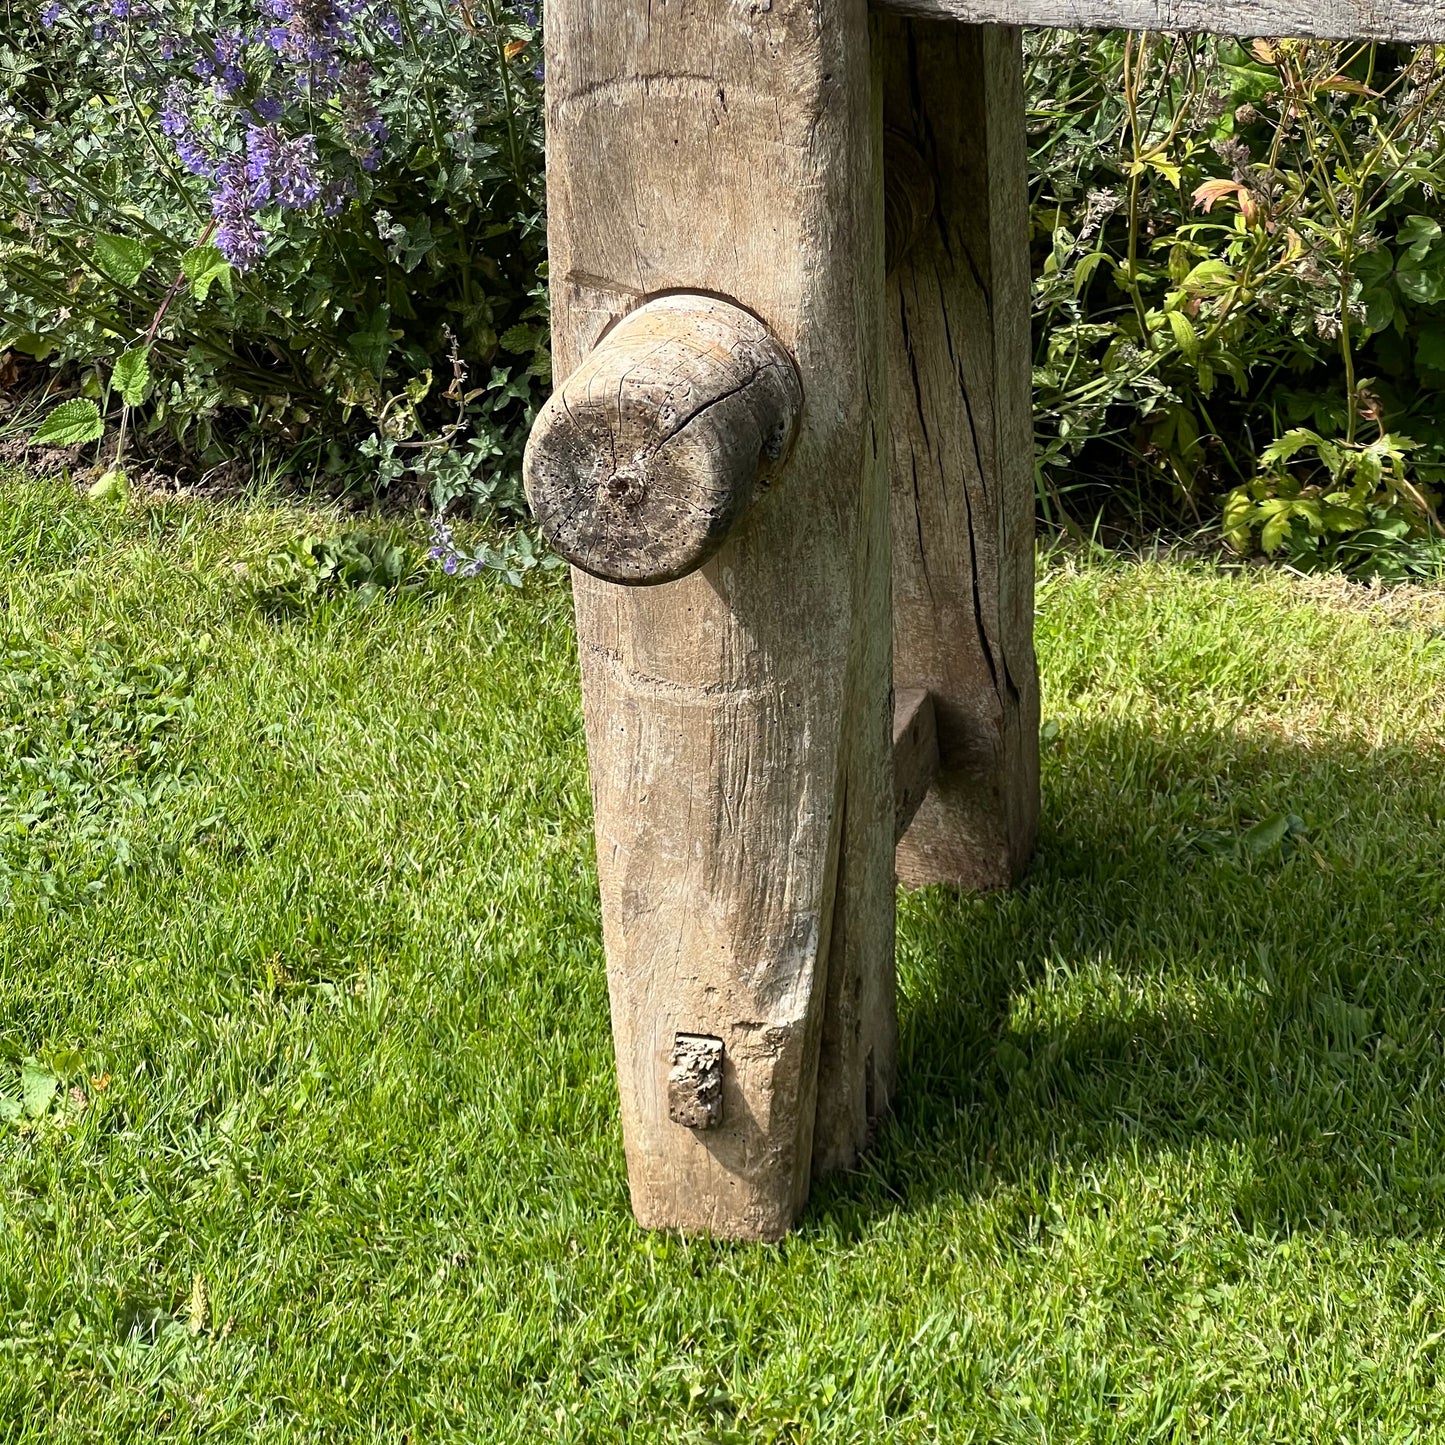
(1167, 979)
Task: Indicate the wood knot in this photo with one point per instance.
(624, 488)
(647, 456)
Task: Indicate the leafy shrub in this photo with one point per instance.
(313, 220)
(319, 223)
(513, 561)
(314, 567)
(1242, 286)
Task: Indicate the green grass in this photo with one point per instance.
(317, 895)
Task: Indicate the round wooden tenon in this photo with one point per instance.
(649, 453)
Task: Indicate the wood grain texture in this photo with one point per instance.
(1414, 20)
(907, 197)
(961, 438)
(644, 459)
(915, 755)
(737, 720)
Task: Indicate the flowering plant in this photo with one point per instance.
(1240, 298)
(287, 216)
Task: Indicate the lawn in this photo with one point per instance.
(317, 1136)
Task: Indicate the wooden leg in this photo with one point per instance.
(737, 719)
(961, 450)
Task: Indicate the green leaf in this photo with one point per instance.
(372, 346)
(520, 340)
(1239, 516)
(1168, 169)
(1374, 267)
(409, 247)
(1267, 834)
(204, 265)
(1332, 456)
(71, 424)
(122, 258)
(132, 375)
(1380, 309)
(37, 1088)
(1184, 336)
(10, 1109)
(1430, 353)
(67, 1062)
(1209, 276)
(1291, 443)
(114, 486)
(1342, 516)
(1418, 234)
(1369, 469)
(1275, 531)
(1083, 272)
(1421, 279)
(1233, 368)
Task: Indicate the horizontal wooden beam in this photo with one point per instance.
(1412, 20)
(915, 755)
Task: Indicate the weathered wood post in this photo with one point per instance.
(721, 161)
(716, 465)
(961, 448)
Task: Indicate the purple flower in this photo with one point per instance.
(365, 130)
(307, 30)
(295, 183)
(176, 123)
(194, 156)
(50, 15)
(222, 63)
(335, 196)
(174, 120)
(444, 545)
(281, 170)
(229, 46)
(238, 235)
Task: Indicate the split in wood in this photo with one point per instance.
(695, 1084)
(647, 456)
(960, 423)
(909, 197)
(915, 755)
